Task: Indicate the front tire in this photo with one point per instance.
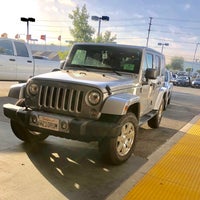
(24, 134)
(118, 149)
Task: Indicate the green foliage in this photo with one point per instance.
(189, 69)
(168, 66)
(63, 55)
(105, 38)
(177, 63)
(198, 71)
(81, 32)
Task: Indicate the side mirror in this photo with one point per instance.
(151, 73)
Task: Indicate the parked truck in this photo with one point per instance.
(17, 62)
(103, 93)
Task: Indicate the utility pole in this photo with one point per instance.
(195, 51)
(194, 58)
(149, 30)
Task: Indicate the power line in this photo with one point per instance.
(176, 19)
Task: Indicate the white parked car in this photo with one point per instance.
(18, 64)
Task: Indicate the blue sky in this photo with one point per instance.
(174, 22)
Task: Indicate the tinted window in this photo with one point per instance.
(21, 49)
(6, 47)
(157, 63)
(148, 61)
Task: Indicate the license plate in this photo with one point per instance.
(48, 123)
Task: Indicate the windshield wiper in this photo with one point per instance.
(114, 70)
(77, 66)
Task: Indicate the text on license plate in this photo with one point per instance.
(48, 123)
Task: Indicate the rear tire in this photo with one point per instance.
(118, 149)
(155, 121)
(24, 134)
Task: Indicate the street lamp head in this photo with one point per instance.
(105, 18)
(30, 19)
(163, 44)
(95, 18)
(23, 19)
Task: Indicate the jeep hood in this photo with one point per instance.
(98, 79)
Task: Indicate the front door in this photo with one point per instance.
(8, 62)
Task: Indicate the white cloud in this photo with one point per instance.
(67, 3)
(187, 6)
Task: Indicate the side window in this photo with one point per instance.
(158, 63)
(148, 61)
(6, 47)
(21, 49)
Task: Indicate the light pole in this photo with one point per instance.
(27, 20)
(163, 44)
(96, 18)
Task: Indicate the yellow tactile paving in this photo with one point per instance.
(177, 175)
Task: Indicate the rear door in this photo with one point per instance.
(8, 63)
(159, 81)
(24, 61)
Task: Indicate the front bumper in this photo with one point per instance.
(196, 85)
(67, 127)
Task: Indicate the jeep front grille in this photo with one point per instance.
(61, 99)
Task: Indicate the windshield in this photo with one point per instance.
(105, 57)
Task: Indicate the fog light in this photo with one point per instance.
(64, 125)
(34, 119)
(94, 113)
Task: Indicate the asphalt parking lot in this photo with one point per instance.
(65, 169)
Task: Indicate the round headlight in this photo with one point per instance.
(94, 97)
(33, 89)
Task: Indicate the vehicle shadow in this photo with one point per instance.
(77, 171)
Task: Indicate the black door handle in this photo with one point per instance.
(29, 61)
(12, 59)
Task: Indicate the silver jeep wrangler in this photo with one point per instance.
(103, 93)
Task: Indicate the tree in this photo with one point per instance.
(189, 69)
(82, 31)
(168, 66)
(177, 63)
(106, 37)
(198, 71)
(63, 55)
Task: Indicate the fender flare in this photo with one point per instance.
(17, 91)
(118, 104)
(159, 99)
